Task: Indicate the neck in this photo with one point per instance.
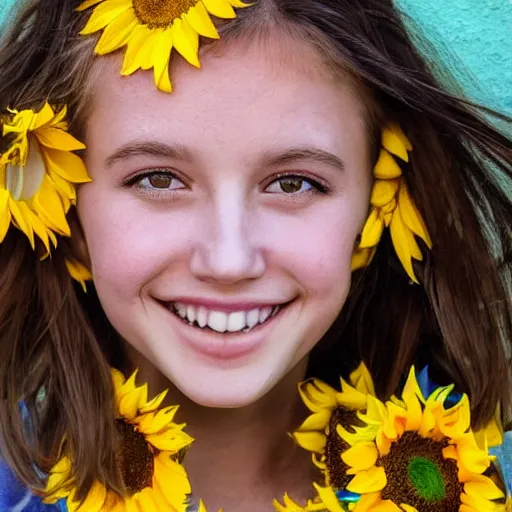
(243, 458)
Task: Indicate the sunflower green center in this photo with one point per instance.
(426, 479)
(418, 475)
(160, 13)
(134, 457)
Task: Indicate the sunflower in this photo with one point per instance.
(423, 456)
(392, 207)
(148, 456)
(150, 29)
(330, 408)
(38, 173)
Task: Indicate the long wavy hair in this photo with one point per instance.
(459, 320)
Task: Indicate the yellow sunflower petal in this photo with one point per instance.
(48, 205)
(67, 165)
(361, 457)
(171, 479)
(408, 508)
(153, 404)
(117, 33)
(485, 487)
(411, 216)
(479, 503)
(44, 116)
(5, 214)
(136, 42)
(383, 192)
(311, 441)
(161, 65)
(410, 396)
(328, 498)
(386, 167)
(185, 42)
(153, 423)
(93, 502)
(395, 141)
(200, 21)
(165, 442)
(316, 421)
(21, 221)
(470, 456)
(88, 3)
(56, 138)
(40, 229)
(220, 8)
(405, 246)
(104, 14)
(371, 480)
(128, 405)
(361, 258)
(372, 230)
(78, 272)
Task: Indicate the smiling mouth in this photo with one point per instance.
(222, 322)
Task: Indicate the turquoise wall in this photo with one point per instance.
(477, 32)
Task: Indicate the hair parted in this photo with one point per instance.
(459, 321)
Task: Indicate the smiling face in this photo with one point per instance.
(221, 218)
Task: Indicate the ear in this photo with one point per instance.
(78, 243)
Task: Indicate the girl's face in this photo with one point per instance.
(221, 218)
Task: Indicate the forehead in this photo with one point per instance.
(239, 89)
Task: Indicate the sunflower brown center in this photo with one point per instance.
(335, 446)
(418, 475)
(134, 458)
(160, 13)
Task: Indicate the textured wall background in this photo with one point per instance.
(477, 32)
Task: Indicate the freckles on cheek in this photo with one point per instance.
(319, 256)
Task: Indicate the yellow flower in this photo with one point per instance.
(318, 433)
(392, 206)
(422, 456)
(38, 173)
(152, 28)
(149, 449)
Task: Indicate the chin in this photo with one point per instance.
(227, 390)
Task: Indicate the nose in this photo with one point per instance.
(228, 252)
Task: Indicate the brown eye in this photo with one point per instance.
(291, 185)
(160, 180)
(157, 180)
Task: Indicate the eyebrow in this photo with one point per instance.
(148, 148)
(180, 152)
(304, 153)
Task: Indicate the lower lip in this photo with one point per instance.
(226, 345)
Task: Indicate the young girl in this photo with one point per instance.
(312, 203)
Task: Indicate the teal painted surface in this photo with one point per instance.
(477, 32)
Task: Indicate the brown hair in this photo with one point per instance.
(53, 338)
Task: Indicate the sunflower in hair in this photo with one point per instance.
(38, 176)
(148, 456)
(150, 29)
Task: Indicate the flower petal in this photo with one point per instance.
(371, 480)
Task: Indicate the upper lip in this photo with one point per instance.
(225, 306)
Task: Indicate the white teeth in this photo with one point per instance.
(253, 318)
(181, 309)
(218, 321)
(236, 321)
(202, 316)
(264, 313)
(191, 314)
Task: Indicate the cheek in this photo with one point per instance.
(316, 247)
(128, 244)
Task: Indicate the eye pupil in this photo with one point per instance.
(291, 185)
(160, 180)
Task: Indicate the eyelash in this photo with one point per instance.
(318, 187)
